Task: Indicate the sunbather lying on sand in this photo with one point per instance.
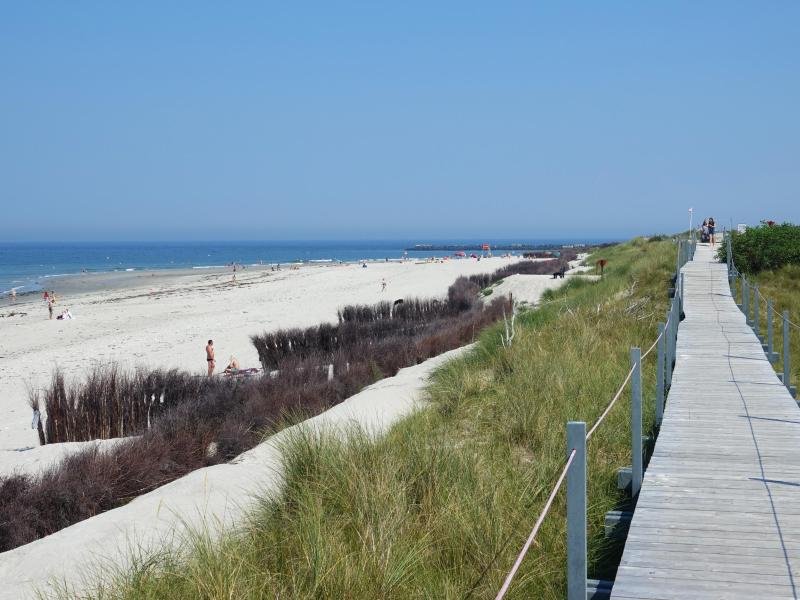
(233, 366)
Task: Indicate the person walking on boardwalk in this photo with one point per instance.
(210, 357)
(711, 230)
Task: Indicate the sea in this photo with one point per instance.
(30, 267)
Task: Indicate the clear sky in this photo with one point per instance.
(262, 120)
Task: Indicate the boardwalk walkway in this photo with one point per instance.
(718, 515)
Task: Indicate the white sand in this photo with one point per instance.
(170, 327)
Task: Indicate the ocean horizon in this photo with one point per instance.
(30, 266)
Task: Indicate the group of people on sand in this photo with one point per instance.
(233, 364)
(49, 298)
(707, 231)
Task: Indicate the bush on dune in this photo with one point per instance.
(763, 248)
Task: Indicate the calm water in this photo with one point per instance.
(28, 266)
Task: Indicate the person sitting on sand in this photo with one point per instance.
(233, 366)
(64, 315)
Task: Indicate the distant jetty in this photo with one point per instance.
(479, 247)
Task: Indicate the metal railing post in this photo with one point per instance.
(770, 330)
(576, 512)
(729, 254)
(746, 300)
(671, 341)
(787, 359)
(668, 364)
(683, 286)
(661, 346)
(636, 422)
(756, 303)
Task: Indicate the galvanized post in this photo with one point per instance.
(756, 302)
(671, 341)
(787, 359)
(576, 512)
(729, 254)
(666, 351)
(770, 330)
(746, 300)
(636, 422)
(683, 287)
(661, 346)
(668, 365)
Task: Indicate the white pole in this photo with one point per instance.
(691, 214)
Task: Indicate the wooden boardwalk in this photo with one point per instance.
(718, 515)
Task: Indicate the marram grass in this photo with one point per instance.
(440, 506)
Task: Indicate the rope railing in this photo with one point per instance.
(577, 439)
(658, 339)
(766, 300)
(535, 530)
(616, 397)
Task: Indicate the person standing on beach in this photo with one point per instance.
(210, 357)
(383, 284)
(50, 308)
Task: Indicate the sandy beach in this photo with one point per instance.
(164, 318)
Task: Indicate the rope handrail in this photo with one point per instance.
(757, 294)
(660, 335)
(535, 530)
(611, 404)
(532, 536)
(548, 504)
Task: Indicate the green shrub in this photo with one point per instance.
(766, 247)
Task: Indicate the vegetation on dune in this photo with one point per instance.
(111, 403)
(383, 330)
(524, 267)
(764, 248)
(440, 506)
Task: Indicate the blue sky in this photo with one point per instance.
(394, 120)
